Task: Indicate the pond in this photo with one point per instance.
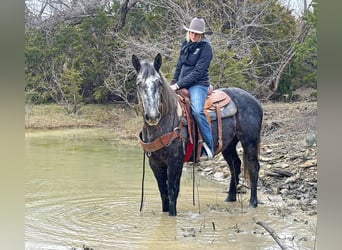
(84, 189)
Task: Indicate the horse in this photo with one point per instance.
(163, 124)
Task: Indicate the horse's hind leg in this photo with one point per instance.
(234, 163)
(251, 162)
(160, 173)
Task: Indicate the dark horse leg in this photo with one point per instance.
(174, 177)
(251, 162)
(160, 173)
(168, 179)
(248, 126)
(234, 163)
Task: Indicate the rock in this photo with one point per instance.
(279, 173)
(314, 203)
(226, 172)
(207, 169)
(309, 163)
(190, 232)
(281, 165)
(310, 140)
(218, 175)
(266, 159)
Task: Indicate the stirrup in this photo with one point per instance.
(208, 151)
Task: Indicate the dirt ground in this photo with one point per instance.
(290, 144)
(288, 156)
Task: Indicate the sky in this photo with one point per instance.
(296, 5)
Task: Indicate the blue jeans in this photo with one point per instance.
(198, 95)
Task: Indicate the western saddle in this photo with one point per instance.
(215, 101)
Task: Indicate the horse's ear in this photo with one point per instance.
(136, 63)
(157, 62)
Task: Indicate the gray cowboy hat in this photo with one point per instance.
(197, 25)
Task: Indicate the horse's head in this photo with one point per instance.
(149, 85)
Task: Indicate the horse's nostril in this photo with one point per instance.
(152, 119)
(147, 117)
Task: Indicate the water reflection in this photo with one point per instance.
(85, 190)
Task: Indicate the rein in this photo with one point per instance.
(142, 183)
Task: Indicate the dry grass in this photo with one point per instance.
(119, 119)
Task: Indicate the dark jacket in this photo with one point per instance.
(193, 64)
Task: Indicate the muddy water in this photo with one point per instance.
(83, 189)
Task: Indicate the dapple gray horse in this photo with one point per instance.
(159, 107)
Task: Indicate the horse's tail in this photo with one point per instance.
(246, 172)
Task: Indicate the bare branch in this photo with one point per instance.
(272, 233)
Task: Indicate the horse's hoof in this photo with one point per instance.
(172, 213)
(230, 199)
(252, 205)
(166, 207)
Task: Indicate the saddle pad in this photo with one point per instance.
(226, 111)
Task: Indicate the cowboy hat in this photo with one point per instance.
(197, 25)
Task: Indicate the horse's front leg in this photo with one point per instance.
(174, 176)
(160, 173)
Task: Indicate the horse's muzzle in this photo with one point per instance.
(152, 120)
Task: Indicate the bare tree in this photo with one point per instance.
(246, 51)
(125, 6)
(46, 13)
(272, 82)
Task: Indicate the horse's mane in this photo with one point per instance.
(168, 96)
